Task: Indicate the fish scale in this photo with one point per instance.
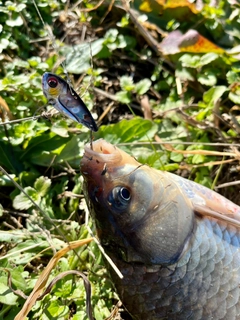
(178, 261)
(167, 292)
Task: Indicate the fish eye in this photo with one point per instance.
(125, 194)
(119, 197)
(52, 82)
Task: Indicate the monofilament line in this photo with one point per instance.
(54, 44)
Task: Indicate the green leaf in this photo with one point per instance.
(57, 311)
(197, 61)
(204, 113)
(190, 61)
(20, 7)
(78, 57)
(232, 77)
(7, 181)
(137, 129)
(122, 41)
(211, 96)
(184, 73)
(123, 97)
(168, 131)
(12, 236)
(143, 86)
(124, 22)
(23, 131)
(203, 177)
(99, 311)
(43, 149)
(9, 159)
(4, 43)
(15, 23)
(60, 127)
(24, 251)
(73, 150)
(198, 158)
(114, 40)
(7, 296)
(207, 79)
(22, 202)
(171, 167)
(111, 35)
(207, 58)
(234, 97)
(17, 278)
(14, 80)
(126, 83)
(42, 184)
(177, 157)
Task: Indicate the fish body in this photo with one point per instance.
(178, 262)
(62, 97)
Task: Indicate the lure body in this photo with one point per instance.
(177, 261)
(62, 97)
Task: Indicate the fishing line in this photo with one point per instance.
(56, 48)
(90, 82)
(54, 44)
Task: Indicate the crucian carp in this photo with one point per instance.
(176, 242)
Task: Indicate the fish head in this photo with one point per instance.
(62, 97)
(140, 215)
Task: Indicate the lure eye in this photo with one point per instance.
(119, 197)
(52, 82)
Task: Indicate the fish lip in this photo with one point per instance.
(98, 162)
(102, 152)
(103, 157)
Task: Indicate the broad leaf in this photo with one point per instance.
(22, 202)
(143, 86)
(211, 96)
(42, 184)
(7, 296)
(136, 129)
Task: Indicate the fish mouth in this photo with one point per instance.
(100, 160)
(105, 166)
(102, 156)
(102, 151)
(99, 155)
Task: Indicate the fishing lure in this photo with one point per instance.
(62, 97)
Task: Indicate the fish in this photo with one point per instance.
(176, 242)
(62, 97)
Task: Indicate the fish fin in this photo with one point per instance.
(203, 210)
